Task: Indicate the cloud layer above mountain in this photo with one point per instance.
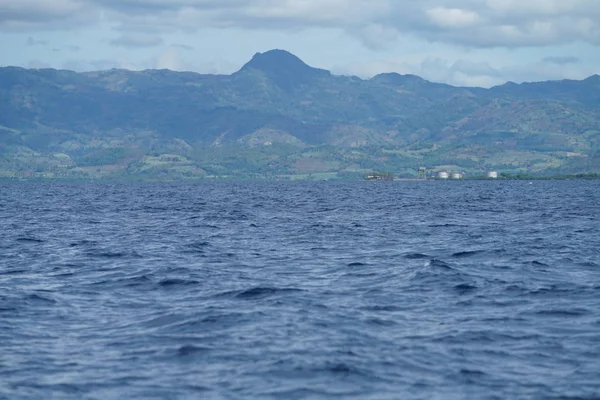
(473, 23)
(464, 42)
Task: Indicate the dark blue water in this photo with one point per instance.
(366, 290)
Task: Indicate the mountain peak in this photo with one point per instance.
(283, 68)
(281, 58)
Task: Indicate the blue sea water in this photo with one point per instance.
(364, 290)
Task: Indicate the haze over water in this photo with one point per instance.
(364, 290)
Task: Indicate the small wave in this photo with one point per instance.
(13, 272)
(471, 376)
(438, 264)
(197, 247)
(264, 292)
(219, 319)
(157, 209)
(163, 320)
(83, 243)
(464, 254)
(538, 263)
(381, 322)
(41, 299)
(447, 226)
(341, 368)
(483, 336)
(515, 288)
(472, 372)
(388, 308)
(189, 350)
(320, 225)
(361, 274)
(28, 239)
(63, 275)
(58, 388)
(109, 254)
(589, 264)
(465, 288)
(357, 264)
(437, 275)
(236, 215)
(416, 256)
(299, 393)
(326, 209)
(338, 368)
(563, 313)
(259, 292)
(553, 290)
(177, 282)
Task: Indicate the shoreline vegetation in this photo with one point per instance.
(366, 177)
(278, 118)
(500, 177)
(527, 177)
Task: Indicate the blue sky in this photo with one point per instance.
(461, 42)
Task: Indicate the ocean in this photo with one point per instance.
(359, 290)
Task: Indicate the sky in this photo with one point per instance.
(460, 42)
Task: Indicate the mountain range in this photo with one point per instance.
(279, 117)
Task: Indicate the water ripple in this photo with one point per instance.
(410, 290)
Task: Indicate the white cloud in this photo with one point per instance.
(453, 17)
(471, 23)
(537, 7)
(376, 36)
(27, 15)
(468, 69)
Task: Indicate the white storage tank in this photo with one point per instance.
(492, 175)
(457, 175)
(443, 175)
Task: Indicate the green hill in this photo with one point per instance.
(278, 117)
